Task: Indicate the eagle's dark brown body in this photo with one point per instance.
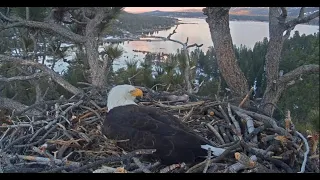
(151, 128)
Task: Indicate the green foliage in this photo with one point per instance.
(302, 99)
(36, 13)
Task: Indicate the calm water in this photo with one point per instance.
(242, 32)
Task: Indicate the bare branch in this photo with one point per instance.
(76, 21)
(15, 105)
(301, 20)
(2, 16)
(22, 78)
(62, 31)
(174, 31)
(58, 79)
(305, 69)
(195, 44)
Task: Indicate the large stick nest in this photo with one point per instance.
(66, 137)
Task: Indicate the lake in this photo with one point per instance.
(242, 32)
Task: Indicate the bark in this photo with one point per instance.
(275, 86)
(97, 68)
(218, 21)
(57, 78)
(187, 70)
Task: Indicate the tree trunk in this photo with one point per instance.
(97, 68)
(218, 20)
(274, 88)
(187, 70)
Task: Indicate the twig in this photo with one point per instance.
(196, 167)
(215, 133)
(39, 141)
(207, 161)
(250, 125)
(306, 145)
(239, 166)
(172, 167)
(246, 97)
(42, 159)
(245, 160)
(114, 158)
(235, 122)
(16, 141)
(140, 165)
(181, 107)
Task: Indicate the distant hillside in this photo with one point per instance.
(128, 23)
(236, 13)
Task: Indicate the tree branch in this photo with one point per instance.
(4, 17)
(301, 20)
(195, 44)
(60, 30)
(58, 79)
(15, 105)
(301, 13)
(22, 78)
(305, 69)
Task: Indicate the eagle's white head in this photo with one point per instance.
(122, 95)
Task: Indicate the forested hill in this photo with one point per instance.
(237, 13)
(137, 23)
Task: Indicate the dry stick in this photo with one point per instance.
(265, 119)
(226, 117)
(57, 169)
(207, 161)
(234, 168)
(39, 141)
(42, 103)
(90, 109)
(306, 145)
(150, 166)
(254, 133)
(250, 125)
(235, 122)
(114, 158)
(171, 167)
(181, 107)
(215, 133)
(217, 159)
(140, 165)
(16, 141)
(70, 107)
(36, 134)
(42, 159)
(246, 97)
(245, 160)
(224, 135)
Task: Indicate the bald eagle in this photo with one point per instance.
(150, 128)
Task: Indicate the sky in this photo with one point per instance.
(145, 9)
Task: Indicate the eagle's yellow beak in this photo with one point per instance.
(137, 92)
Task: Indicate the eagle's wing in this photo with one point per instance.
(144, 131)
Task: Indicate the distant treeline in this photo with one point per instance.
(137, 23)
(232, 16)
